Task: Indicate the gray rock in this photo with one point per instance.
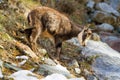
(107, 38)
(105, 27)
(103, 17)
(91, 77)
(114, 3)
(107, 68)
(107, 65)
(118, 29)
(107, 8)
(74, 64)
(48, 70)
(90, 4)
(74, 41)
(49, 61)
(1, 1)
(12, 66)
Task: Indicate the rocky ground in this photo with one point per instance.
(98, 60)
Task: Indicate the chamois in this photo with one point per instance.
(56, 24)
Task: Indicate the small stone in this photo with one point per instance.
(90, 4)
(95, 37)
(74, 63)
(43, 51)
(77, 70)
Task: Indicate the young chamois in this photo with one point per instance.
(56, 24)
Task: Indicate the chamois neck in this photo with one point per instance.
(76, 29)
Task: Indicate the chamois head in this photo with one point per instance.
(84, 35)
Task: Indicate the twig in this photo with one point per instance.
(26, 49)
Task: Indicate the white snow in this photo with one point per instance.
(24, 75)
(55, 76)
(22, 57)
(1, 75)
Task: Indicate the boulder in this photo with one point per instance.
(108, 37)
(115, 44)
(111, 39)
(114, 3)
(106, 8)
(105, 27)
(106, 65)
(103, 17)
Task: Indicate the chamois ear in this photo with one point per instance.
(84, 36)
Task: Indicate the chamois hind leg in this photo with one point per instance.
(33, 38)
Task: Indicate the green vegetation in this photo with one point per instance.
(31, 3)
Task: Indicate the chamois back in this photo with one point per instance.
(50, 19)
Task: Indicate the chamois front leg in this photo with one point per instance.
(58, 46)
(33, 38)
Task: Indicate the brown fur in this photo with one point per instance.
(44, 19)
